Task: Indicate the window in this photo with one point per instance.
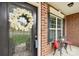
(55, 27)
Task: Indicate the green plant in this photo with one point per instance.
(20, 38)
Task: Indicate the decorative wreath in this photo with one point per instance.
(21, 19)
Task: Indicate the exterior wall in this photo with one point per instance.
(72, 25)
(45, 47)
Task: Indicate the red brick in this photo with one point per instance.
(73, 28)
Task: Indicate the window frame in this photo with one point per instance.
(56, 28)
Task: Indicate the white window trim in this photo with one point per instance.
(61, 27)
(56, 29)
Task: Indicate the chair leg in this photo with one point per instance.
(70, 48)
(65, 47)
(61, 51)
(66, 51)
(54, 51)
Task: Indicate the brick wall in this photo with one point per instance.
(45, 47)
(73, 28)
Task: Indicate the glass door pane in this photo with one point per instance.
(20, 40)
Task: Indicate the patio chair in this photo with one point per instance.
(62, 44)
(66, 44)
(55, 46)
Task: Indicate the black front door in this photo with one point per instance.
(14, 41)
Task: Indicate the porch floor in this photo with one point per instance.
(74, 51)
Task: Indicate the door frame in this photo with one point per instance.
(4, 47)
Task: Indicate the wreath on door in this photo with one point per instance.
(21, 19)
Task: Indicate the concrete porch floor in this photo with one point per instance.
(73, 52)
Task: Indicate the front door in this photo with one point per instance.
(21, 29)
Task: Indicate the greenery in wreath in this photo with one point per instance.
(21, 19)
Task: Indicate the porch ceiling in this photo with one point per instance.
(62, 6)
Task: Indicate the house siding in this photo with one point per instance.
(73, 28)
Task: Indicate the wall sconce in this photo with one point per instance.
(70, 4)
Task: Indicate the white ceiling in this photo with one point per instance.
(62, 6)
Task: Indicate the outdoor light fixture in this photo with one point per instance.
(70, 4)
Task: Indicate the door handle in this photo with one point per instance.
(36, 43)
